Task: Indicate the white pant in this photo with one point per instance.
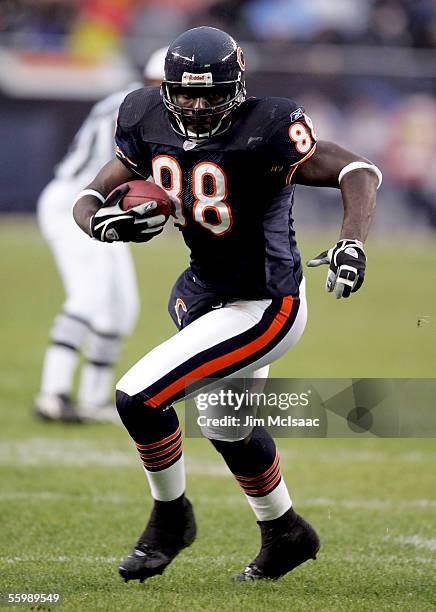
(235, 340)
(99, 278)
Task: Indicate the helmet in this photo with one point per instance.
(203, 62)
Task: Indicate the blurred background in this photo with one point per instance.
(364, 69)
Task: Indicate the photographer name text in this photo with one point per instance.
(269, 421)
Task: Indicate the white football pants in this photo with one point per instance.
(236, 340)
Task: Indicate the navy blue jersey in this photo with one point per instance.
(233, 193)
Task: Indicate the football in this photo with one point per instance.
(143, 193)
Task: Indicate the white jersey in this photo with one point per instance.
(93, 145)
(99, 278)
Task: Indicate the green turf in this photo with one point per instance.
(73, 499)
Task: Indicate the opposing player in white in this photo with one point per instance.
(102, 302)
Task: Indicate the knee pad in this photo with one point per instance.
(102, 348)
(125, 403)
(68, 330)
(145, 424)
(131, 410)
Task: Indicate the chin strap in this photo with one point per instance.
(192, 136)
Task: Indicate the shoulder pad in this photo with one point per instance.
(260, 118)
(270, 110)
(137, 105)
(279, 109)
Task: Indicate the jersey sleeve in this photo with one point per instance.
(130, 148)
(294, 139)
(127, 151)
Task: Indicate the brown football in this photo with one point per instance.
(143, 192)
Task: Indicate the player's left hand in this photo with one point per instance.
(347, 263)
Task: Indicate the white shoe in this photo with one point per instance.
(55, 408)
(98, 414)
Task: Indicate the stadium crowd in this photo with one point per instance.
(373, 22)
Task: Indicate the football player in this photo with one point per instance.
(230, 164)
(99, 280)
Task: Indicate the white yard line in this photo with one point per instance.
(53, 496)
(385, 560)
(60, 559)
(48, 451)
(101, 559)
(325, 502)
(76, 453)
(234, 499)
(414, 540)
(191, 558)
(340, 455)
(369, 503)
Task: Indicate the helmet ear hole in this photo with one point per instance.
(205, 63)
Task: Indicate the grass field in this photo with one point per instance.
(73, 499)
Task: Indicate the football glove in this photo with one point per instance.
(347, 262)
(112, 224)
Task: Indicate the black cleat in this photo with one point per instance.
(171, 528)
(287, 542)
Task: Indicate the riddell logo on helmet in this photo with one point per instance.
(190, 78)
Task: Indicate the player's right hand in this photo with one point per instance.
(112, 224)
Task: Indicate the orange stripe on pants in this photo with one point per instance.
(229, 359)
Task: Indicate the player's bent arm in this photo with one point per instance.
(114, 173)
(358, 179)
(358, 185)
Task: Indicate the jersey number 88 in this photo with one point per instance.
(203, 201)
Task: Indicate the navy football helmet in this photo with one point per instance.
(203, 63)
